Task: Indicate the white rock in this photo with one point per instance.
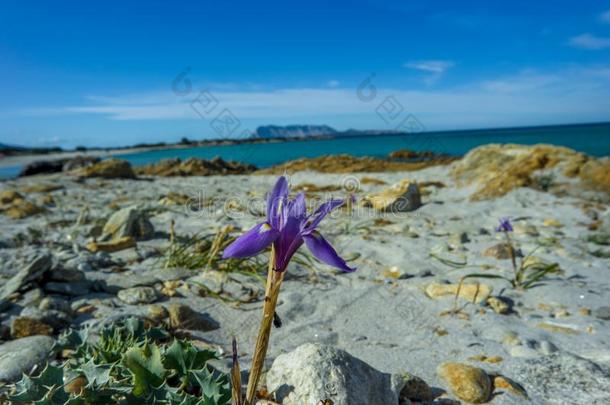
(313, 372)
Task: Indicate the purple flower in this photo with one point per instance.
(505, 225)
(287, 227)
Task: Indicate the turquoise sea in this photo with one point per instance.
(592, 139)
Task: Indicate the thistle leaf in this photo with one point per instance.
(146, 366)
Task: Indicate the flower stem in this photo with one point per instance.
(272, 291)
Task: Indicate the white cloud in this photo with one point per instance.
(572, 94)
(430, 66)
(605, 17)
(589, 41)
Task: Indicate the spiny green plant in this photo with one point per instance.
(128, 364)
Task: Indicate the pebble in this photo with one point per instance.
(74, 289)
(21, 355)
(547, 347)
(470, 292)
(138, 295)
(602, 313)
(468, 383)
(23, 327)
(499, 305)
(184, 317)
(415, 389)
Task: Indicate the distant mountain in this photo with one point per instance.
(293, 131)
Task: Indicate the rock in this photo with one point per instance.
(42, 167)
(458, 239)
(23, 327)
(552, 223)
(547, 347)
(503, 383)
(557, 328)
(195, 167)
(8, 196)
(184, 317)
(67, 275)
(497, 169)
(602, 313)
(108, 169)
(500, 251)
(138, 295)
(468, 383)
(401, 197)
(312, 373)
(499, 305)
(113, 245)
(470, 292)
(128, 222)
(55, 303)
(523, 351)
(74, 289)
(157, 313)
(55, 318)
(34, 271)
(22, 355)
(352, 164)
(563, 378)
(21, 208)
(41, 188)
(31, 297)
(414, 389)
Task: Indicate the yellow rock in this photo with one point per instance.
(8, 196)
(24, 326)
(552, 223)
(504, 383)
(468, 383)
(470, 292)
(401, 197)
(172, 198)
(584, 311)
(500, 251)
(113, 245)
(109, 169)
(486, 359)
(41, 188)
(21, 208)
(497, 169)
(498, 305)
(557, 328)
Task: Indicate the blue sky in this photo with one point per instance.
(117, 73)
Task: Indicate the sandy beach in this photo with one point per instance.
(397, 312)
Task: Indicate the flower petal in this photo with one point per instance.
(324, 252)
(251, 242)
(276, 202)
(314, 220)
(297, 208)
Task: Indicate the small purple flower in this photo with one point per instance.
(505, 225)
(287, 227)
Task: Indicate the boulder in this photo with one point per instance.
(21, 355)
(195, 167)
(128, 222)
(34, 271)
(401, 197)
(313, 373)
(496, 169)
(108, 169)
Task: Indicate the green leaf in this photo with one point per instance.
(41, 388)
(485, 275)
(214, 385)
(96, 374)
(146, 366)
(182, 356)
